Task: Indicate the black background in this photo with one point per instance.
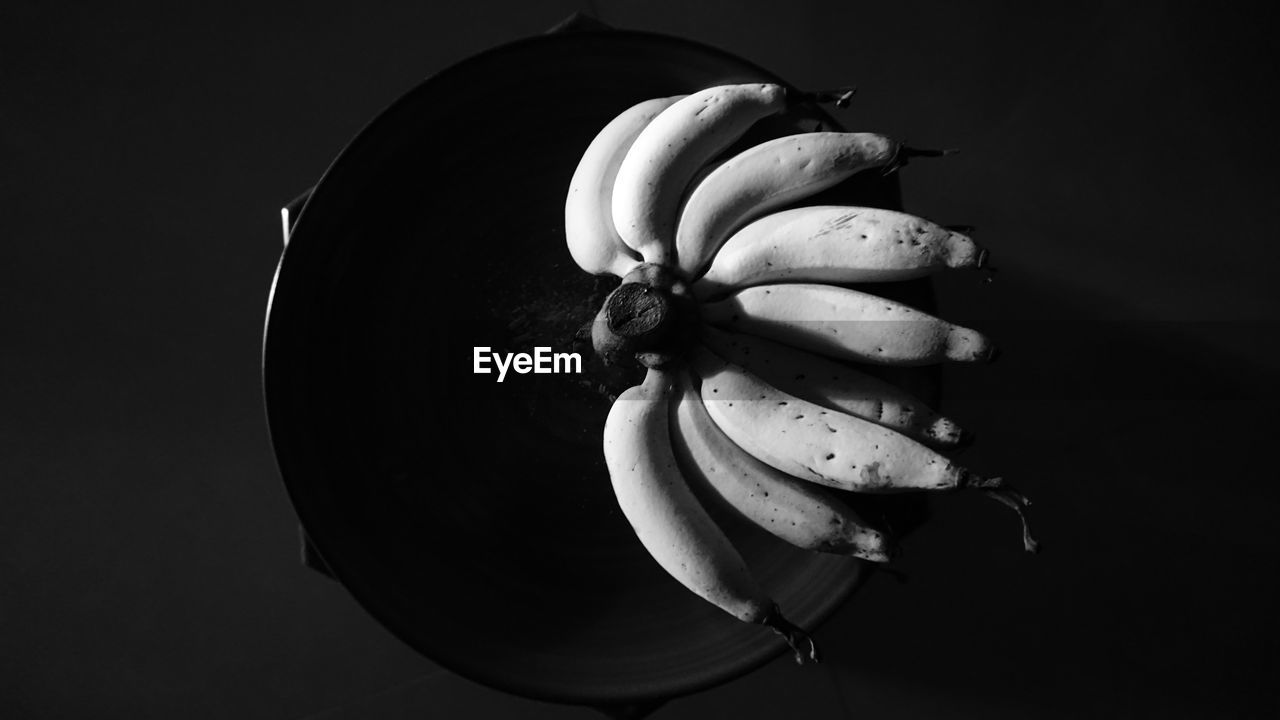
(1117, 160)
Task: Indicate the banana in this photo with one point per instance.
(797, 512)
(684, 137)
(847, 324)
(765, 177)
(667, 518)
(832, 448)
(834, 244)
(588, 209)
(834, 386)
(808, 441)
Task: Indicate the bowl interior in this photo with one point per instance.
(474, 518)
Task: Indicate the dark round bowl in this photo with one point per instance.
(475, 519)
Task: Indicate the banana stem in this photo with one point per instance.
(1000, 491)
(840, 97)
(906, 152)
(636, 310)
(1018, 502)
(792, 634)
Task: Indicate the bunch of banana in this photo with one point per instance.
(732, 296)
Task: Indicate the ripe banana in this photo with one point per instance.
(824, 446)
(668, 519)
(834, 386)
(832, 448)
(835, 244)
(799, 513)
(657, 169)
(765, 177)
(588, 209)
(847, 324)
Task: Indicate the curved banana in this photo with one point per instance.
(765, 177)
(847, 324)
(657, 169)
(588, 208)
(668, 519)
(835, 244)
(824, 446)
(799, 513)
(834, 386)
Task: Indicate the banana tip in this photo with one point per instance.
(880, 555)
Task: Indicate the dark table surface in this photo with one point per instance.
(1116, 160)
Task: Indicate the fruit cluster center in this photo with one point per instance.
(650, 319)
